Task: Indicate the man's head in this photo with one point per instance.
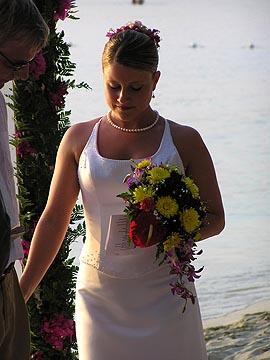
(23, 34)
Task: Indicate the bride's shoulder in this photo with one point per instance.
(187, 140)
(183, 133)
(77, 136)
(82, 127)
(81, 131)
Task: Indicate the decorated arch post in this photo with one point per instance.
(40, 122)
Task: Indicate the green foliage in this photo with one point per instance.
(40, 122)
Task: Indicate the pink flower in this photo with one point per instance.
(63, 6)
(131, 181)
(18, 135)
(57, 330)
(57, 99)
(24, 148)
(37, 66)
(37, 355)
(26, 247)
(180, 289)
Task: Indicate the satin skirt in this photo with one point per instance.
(131, 319)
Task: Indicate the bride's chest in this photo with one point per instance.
(129, 146)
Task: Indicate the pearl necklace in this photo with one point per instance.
(132, 130)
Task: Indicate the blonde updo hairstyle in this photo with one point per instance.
(131, 48)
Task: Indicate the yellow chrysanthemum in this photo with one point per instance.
(190, 220)
(158, 174)
(170, 167)
(172, 240)
(192, 187)
(141, 193)
(167, 206)
(143, 164)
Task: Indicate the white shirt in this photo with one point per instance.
(7, 183)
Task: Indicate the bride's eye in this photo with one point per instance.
(135, 88)
(114, 87)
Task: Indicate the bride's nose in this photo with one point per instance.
(123, 95)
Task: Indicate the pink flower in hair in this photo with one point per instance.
(137, 26)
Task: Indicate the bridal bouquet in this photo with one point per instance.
(164, 208)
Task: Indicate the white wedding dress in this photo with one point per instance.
(124, 307)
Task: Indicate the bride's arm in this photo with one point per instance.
(199, 166)
(52, 226)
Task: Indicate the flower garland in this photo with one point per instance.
(41, 121)
(164, 209)
(137, 26)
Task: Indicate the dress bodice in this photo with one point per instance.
(101, 179)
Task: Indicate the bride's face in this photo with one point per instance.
(128, 91)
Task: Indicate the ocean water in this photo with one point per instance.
(214, 61)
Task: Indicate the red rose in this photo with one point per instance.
(146, 225)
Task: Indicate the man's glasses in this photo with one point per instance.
(16, 66)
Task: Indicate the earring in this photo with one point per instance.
(153, 95)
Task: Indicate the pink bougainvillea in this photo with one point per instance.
(23, 147)
(63, 6)
(37, 66)
(57, 330)
(26, 247)
(57, 99)
(38, 355)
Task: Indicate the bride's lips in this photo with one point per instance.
(124, 108)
